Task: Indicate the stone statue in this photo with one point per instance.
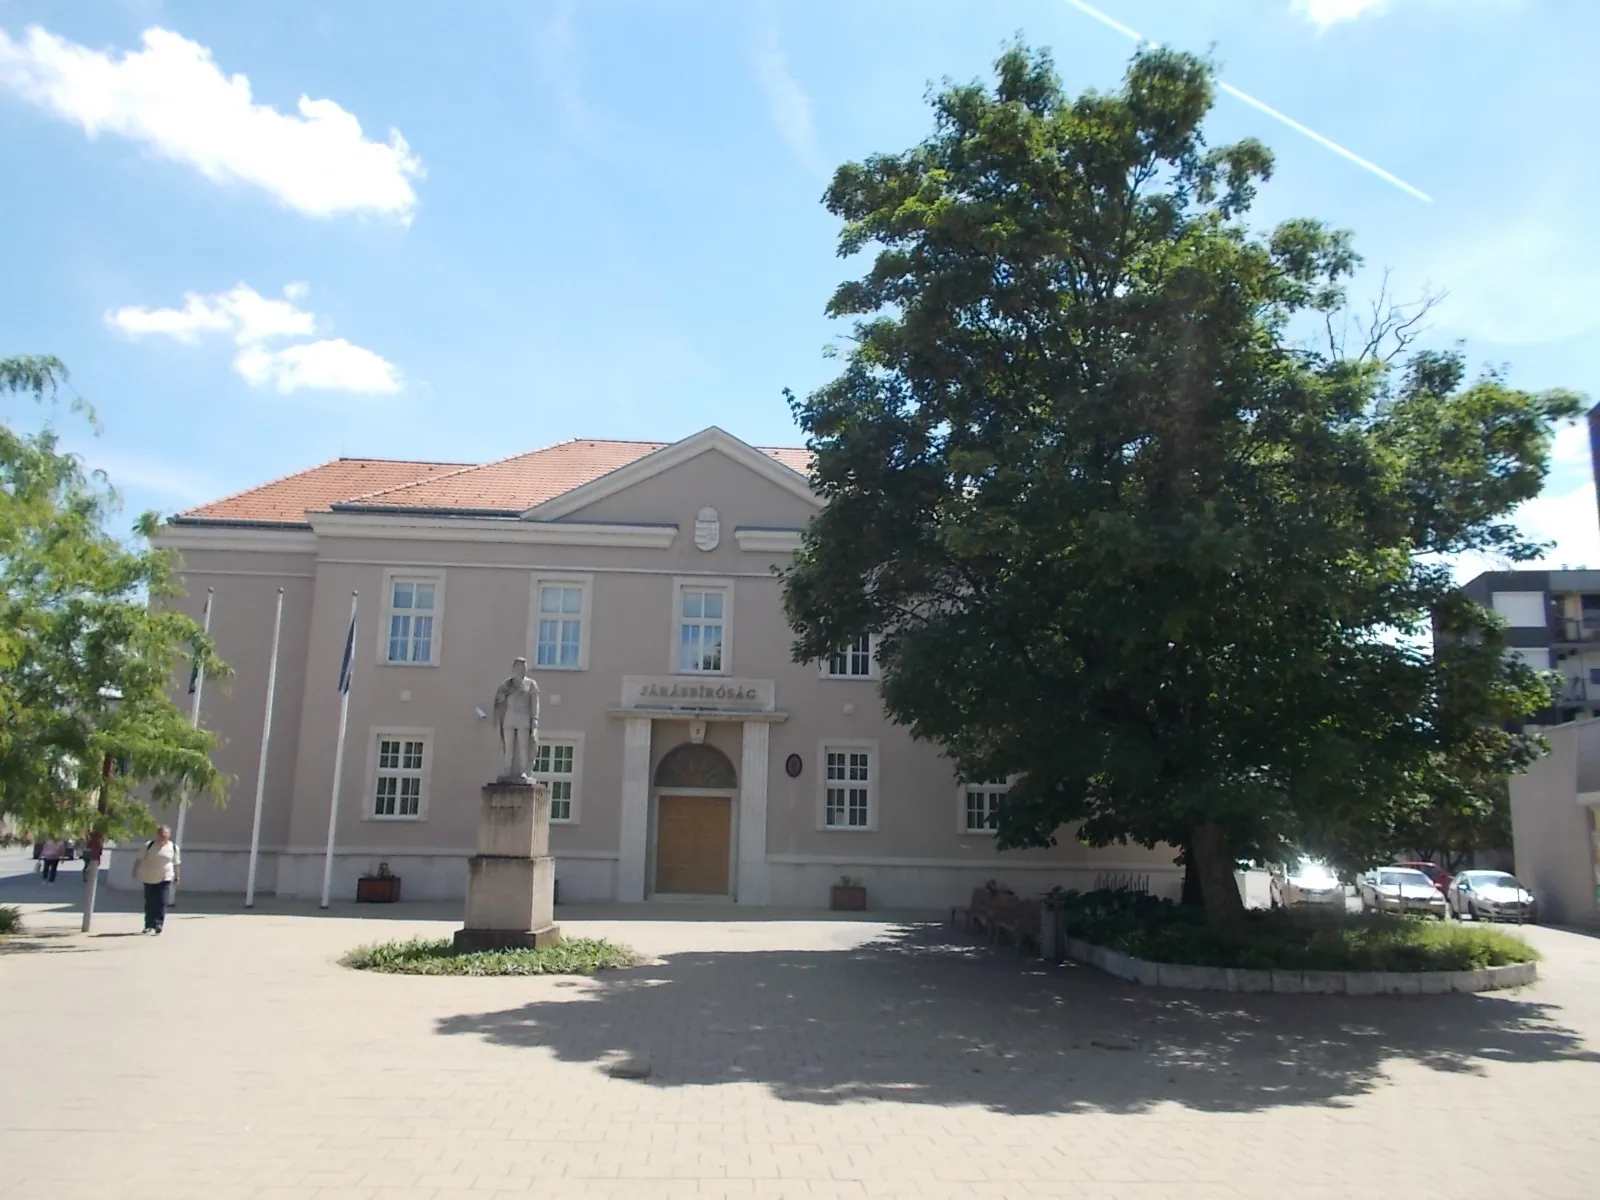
(516, 712)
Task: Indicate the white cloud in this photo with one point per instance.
(241, 311)
(1324, 13)
(1571, 520)
(171, 96)
(1571, 447)
(1568, 520)
(787, 102)
(329, 365)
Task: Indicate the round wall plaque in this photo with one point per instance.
(791, 766)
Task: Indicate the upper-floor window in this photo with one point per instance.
(702, 629)
(399, 775)
(1522, 610)
(980, 805)
(411, 613)
(559, 637)
(855, 661)
(558, 762)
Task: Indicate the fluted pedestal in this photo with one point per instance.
(511, 880)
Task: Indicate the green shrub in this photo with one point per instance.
(1284, 939)
(10, 919)
(420, 956)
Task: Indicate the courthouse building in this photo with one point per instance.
(686, 753)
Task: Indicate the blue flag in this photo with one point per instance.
(348, 666)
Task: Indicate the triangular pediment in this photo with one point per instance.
(708, 441)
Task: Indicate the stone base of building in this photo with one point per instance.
(469, 940)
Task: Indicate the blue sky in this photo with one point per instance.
(504, 224)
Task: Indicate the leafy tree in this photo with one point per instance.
(1123, 534)
(89, 732)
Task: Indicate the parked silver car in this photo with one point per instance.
(1401, 890)
(1306, 882)
(1491, 896)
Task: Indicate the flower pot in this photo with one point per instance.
(378, 889)
(847, 899)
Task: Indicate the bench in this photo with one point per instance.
(1000, 913)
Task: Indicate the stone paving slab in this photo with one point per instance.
(792, 1057)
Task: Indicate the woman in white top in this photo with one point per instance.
(157, 868)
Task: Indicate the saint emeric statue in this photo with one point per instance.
(516, 712)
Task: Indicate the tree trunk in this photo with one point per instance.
(1190, 895)
(1215, 866)
(94, 850)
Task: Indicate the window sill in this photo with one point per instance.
(387, 662)
(848, 829)
(393, 819)
(851, 678)
(537, 667)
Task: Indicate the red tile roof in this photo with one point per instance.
(289, 499)
(509, 485)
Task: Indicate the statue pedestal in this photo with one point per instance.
(511, 880)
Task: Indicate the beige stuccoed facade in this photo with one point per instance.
(687, 753)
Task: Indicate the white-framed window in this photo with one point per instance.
(979, 806)
(558, 761)
(559, 620)
(1536, 657)
(858, 660)
(400, 764)
(1522, 610)
(413, 602)
(702, 626)
(848, 785)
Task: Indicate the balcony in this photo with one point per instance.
(1577, 632)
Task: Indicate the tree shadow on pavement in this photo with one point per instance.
(922, 1018)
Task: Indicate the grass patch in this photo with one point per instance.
(423, 956)
(1296, 939)
(10, 919)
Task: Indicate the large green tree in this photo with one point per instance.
(1124, 528)
(89, 732)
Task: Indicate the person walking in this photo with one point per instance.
(157, 868)
(50, 856)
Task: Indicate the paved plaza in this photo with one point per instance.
(786, 1056)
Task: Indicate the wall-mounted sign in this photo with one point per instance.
(698, 693)
(791, 766)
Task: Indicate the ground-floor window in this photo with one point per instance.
(398, 780)
(557, 762)
(849, 785)
(980, 805)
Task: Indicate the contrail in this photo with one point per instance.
(1135, 35)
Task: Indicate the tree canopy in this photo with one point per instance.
(1124, 534)
(88, 655)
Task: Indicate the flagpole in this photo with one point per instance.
(261, 765)
(194, 720)
(347, 669)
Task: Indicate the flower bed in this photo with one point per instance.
(578, 956)
(1288, 941)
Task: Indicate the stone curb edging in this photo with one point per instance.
(1339, 983)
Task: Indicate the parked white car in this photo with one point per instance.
(1401, 890)
(1491, 896)
(1307, 882)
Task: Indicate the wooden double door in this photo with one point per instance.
(694, 842)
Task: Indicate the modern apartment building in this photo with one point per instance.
(687, 755)
(1554, 625)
